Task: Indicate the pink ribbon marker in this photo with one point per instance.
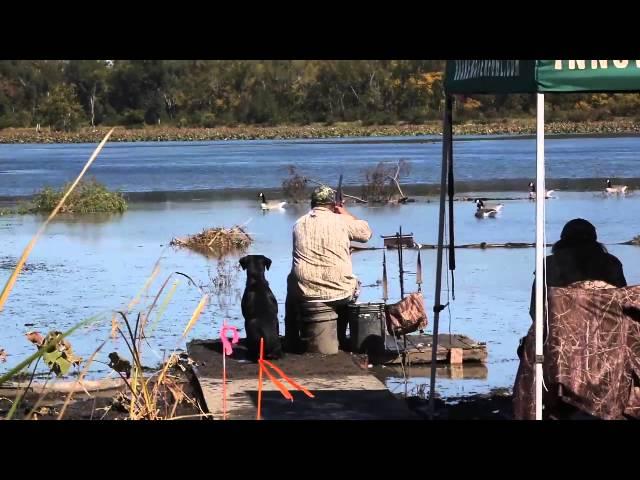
(227, 349)
(226, 345)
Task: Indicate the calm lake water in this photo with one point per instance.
(83, 266)
(262, 164)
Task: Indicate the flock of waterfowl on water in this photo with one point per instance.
(483, 209)
(490, 210)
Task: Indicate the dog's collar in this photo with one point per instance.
(255, 280)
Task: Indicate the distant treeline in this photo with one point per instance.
(67, 94)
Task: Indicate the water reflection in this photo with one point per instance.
(92, 265)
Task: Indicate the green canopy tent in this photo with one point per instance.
(518, 76)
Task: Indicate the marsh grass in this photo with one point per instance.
(89, 196)
(145, 392)
(524, 126)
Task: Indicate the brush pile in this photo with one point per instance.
(216, 241)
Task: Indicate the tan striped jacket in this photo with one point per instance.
(321, 256)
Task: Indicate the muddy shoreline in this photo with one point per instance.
(106, 405)
(494, 405)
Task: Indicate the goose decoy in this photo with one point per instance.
(483, 212)
(489, 206)
(615, 188)
(532, 192)
(270, 204)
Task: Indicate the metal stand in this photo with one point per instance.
(401, 273)
(437, 307)
(540, 249)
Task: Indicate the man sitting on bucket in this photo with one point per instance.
(321, 282)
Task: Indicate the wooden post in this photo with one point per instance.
(455, 356)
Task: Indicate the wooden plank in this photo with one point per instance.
(342, 388)
(419, 349)
(391, 241)
(424, 356)
(68, 386)
(466, 371)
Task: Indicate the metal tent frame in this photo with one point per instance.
(518, 76)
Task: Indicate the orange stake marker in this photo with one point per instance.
(291, 381)
(260, 377)
(264, 366)
(285, 393)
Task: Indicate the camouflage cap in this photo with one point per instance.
(323, 195)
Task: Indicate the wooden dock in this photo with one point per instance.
(465, 371)
(343, 386)
(452, 349)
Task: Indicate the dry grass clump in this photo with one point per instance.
(216, 241)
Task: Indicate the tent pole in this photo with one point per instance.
(446, 141)
(540, 248)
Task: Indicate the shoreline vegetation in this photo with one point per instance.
(89, 196)
(314, 131)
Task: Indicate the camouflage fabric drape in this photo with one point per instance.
(406, 316)
(592, 353)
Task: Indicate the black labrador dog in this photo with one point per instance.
(260, 309)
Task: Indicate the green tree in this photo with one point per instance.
(215, 92)
(61, 109)
(90, 80)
